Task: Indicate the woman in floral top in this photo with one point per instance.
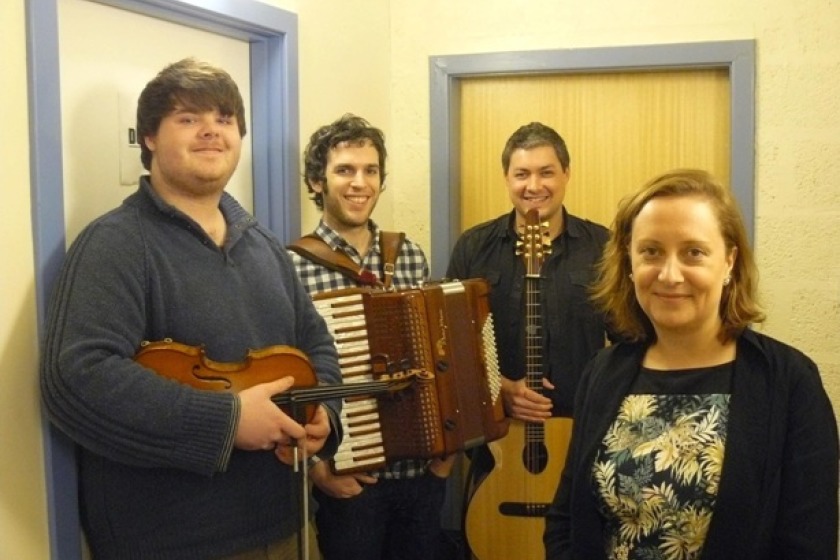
(698, 438)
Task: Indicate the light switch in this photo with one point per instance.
(129, 147)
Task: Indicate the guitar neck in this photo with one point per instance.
(533, 335)
(534, 431)
(534, 244)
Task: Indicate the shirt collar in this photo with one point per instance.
(336, 242)
(572, 225)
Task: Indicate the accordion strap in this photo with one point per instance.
(315, 249)
(389, 244)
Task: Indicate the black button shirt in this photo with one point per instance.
(572, 329)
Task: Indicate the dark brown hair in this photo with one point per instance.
(193, 85)
(534, 135)
(349, 128)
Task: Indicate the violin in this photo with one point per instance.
(190, 365)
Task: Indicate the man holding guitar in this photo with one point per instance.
(539, 261)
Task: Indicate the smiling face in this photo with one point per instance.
(680, 262)
(194, 153)
(536, 179)
(352, 185)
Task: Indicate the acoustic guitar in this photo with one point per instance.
(506, 514)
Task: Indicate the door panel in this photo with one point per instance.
(621, 128)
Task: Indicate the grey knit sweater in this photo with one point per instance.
(158, 475)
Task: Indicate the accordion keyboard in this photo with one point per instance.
(361, 448)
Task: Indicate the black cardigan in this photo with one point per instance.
(779, 484)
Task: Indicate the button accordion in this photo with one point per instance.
(443, 332)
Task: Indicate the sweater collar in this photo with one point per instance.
(238, 219)
(748, 342)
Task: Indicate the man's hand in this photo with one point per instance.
(338, 486)
(317, 432)
(262, 425)
(526, 404)
(441, 468)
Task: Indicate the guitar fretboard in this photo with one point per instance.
(534, 431)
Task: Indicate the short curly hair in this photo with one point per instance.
(613, 291)
(193, 85)
(349, 128)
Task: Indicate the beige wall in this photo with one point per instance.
(346, 67)
(797, 136)
(102, 76)
(371, 57)
(22, 490)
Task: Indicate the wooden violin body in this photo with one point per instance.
(191, 366)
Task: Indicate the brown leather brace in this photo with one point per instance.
(315, 249)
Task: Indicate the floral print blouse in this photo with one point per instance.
(658, 467)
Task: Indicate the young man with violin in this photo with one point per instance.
(394, 512)
(547, 299)
(167, 471)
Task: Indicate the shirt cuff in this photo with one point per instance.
(227, 449)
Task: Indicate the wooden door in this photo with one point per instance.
(621, 129)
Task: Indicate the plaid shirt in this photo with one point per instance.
(411, 269)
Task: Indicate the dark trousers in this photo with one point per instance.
(389, 520)
(286, 549)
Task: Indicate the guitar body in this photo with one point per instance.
(506, 513)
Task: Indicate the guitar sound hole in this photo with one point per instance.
(535, 457)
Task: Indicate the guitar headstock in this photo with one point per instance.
(534, 242)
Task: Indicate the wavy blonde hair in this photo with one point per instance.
(614, 293)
